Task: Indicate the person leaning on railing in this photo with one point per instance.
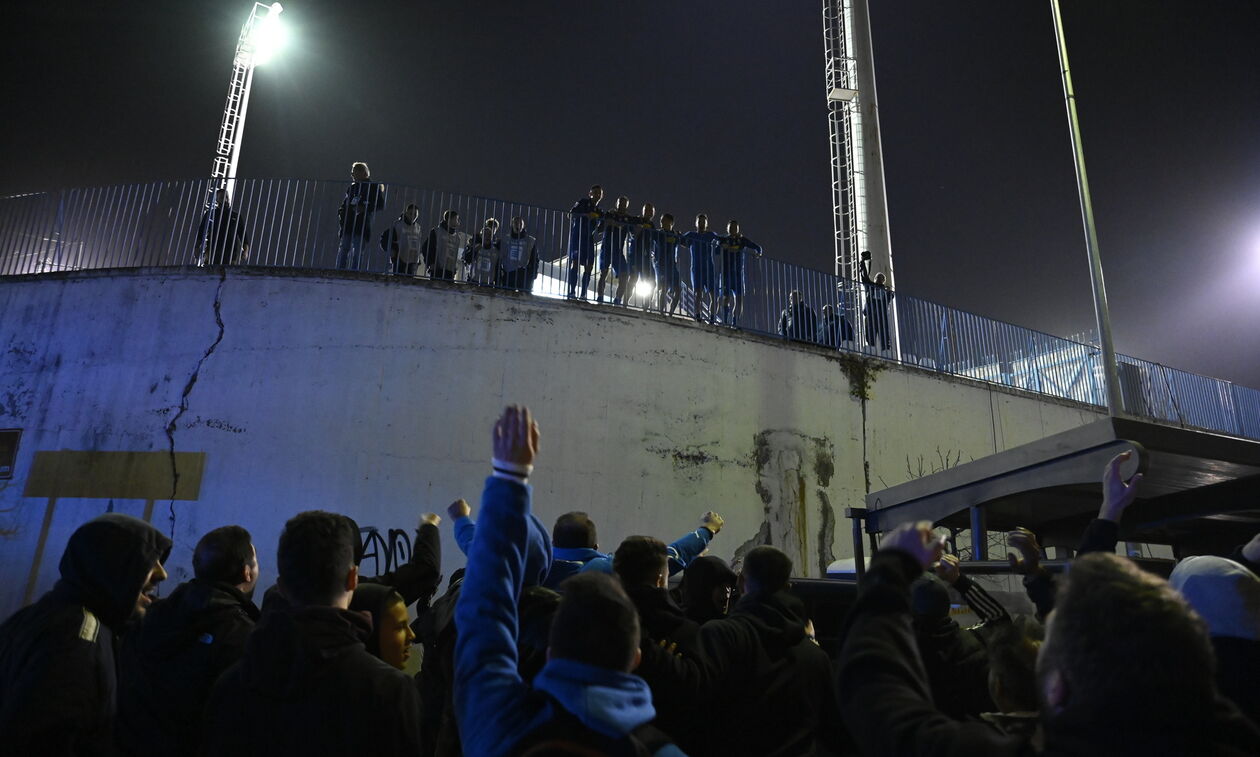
(222, 237)
(444, 248)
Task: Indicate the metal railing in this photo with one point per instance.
(294, 223)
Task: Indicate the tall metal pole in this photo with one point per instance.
(1101, 312)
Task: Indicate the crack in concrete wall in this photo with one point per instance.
(188, 387)
(785, 461)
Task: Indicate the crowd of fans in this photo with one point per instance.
(641, 253)
(546, 645)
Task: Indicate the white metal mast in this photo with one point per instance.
(859, 203)
(227, 152)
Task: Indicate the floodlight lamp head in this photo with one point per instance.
(268, 36)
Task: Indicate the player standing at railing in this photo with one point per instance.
(354, 217)
(731, 251)
(585, 221)
(612, 252)
(701, 244)
(875, 311)
(639, 254)
(665, 242)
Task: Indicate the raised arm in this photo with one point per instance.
(465, 527)
(420, 577)
(491, 699)
(689, 546)
(981, 603)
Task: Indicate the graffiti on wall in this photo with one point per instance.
(384, 551)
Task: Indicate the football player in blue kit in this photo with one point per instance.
(731, 252)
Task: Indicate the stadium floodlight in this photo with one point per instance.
(261, 38)
(268, 37)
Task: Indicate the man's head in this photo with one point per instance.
(623, 202)
(574, 530)
(451, 219)
(1119, 636)
(316, 559)
(732, 228)
(667, 222)
(595, 623)
(649, 211)
(702, 223)
(113, 565)
(766, 570)
(596, 193)
(411, 213)
(1013, 670)
(642, 561)
(518, 225)
(492, 224)
(828, 311)
(360, 172)
(227, 555)
(794, 297)
(880, 279)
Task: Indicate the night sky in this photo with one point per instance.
(719, 107)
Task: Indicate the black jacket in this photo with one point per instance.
(307, 686)
(773, 683)
(673, 665)
(887, 703)
(171, 661)
(57, 669)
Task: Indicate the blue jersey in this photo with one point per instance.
(665, 254)
(585, 220)
(639, 245)
(616, 225)
(701, 245)
(731, 252)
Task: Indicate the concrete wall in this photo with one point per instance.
(375, 397)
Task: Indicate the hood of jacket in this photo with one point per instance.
(193, 609)
(577, 554)
(702, 576)
(106, 563)
(290, 650)
(778, 618)
(607, 701)
(658, 614)
(372, 601)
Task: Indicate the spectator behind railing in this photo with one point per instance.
(402, 242)
(834, 330)
(354, 219)
(639, 254)
(518, 264)
(443, 251)
(221, 237)
(482, 256)
(875, 312)
(798, 320)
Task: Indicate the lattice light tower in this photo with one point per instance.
(260, 37)
(857, 166)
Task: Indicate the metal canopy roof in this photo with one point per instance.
(1200, 491)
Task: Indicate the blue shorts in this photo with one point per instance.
(615, 259)
(733, 279)
(667, 274)
(583, 256)
(703, 277)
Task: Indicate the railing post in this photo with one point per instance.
(858, 516)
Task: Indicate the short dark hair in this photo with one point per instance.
(1119, 635)
(222, 554)
(670, 216)
(316, 552)
(596, 622)
(449, 214)
(574, 530)
(766, 570)
(639, 559)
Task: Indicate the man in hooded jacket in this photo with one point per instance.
(172, 659)
(58, 684)
(765, 646)
(306, 684)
